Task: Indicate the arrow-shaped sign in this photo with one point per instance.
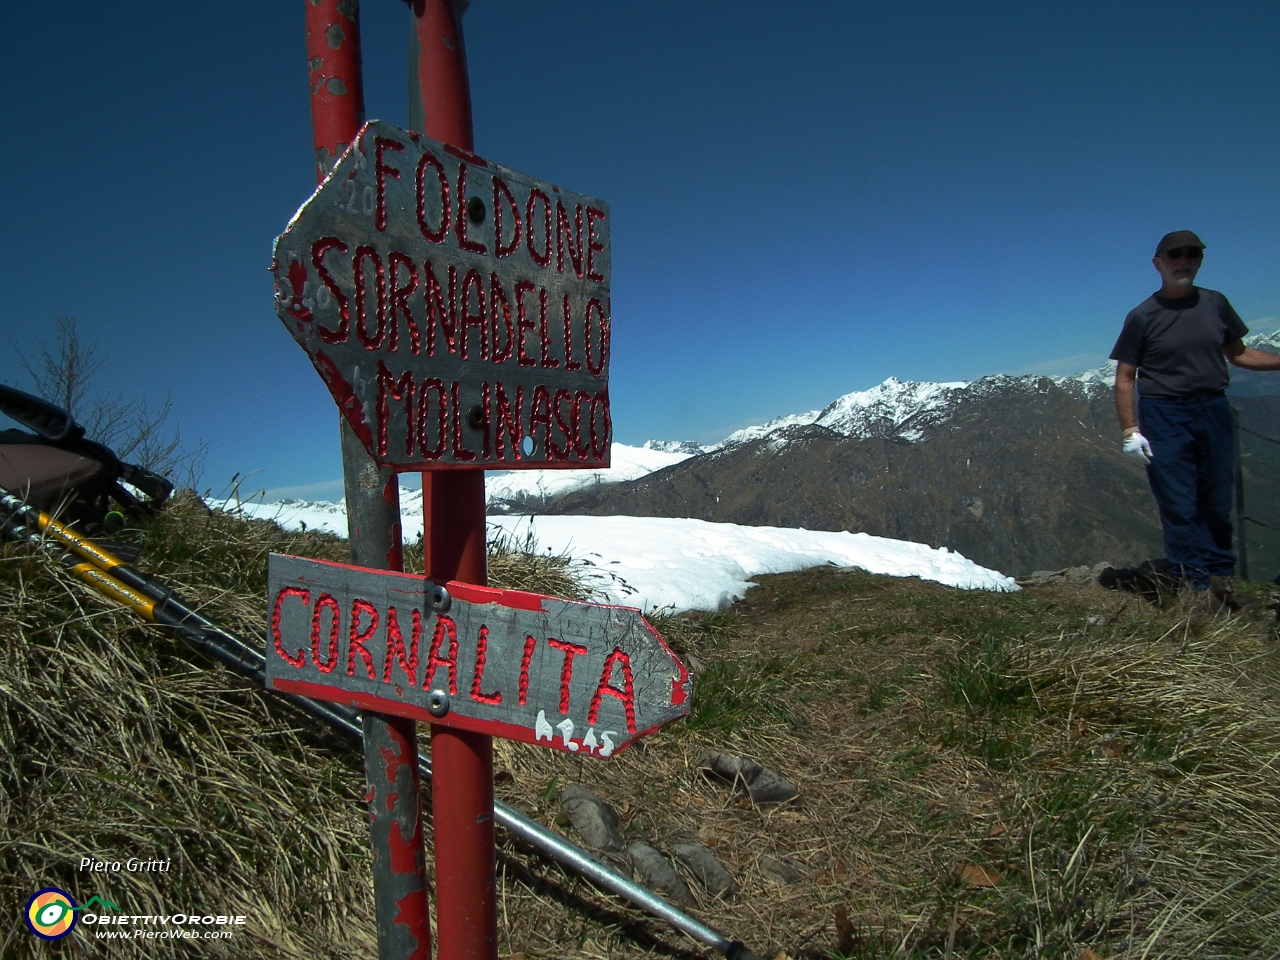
(586, 678)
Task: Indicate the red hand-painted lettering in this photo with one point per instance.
(445, 628)
(300, 658)
(356, 640)
(380, 173)
(566, 670)
(626, 695)
(326, 602)
(408, 659)
(437, 234)
(482, 652)
(529, 645)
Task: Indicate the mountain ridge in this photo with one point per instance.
(1018, 473)
(886, 461)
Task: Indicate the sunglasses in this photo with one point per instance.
(1181, 253)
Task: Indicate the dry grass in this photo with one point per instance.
(981, 775)
(995, 776)
(115, 745)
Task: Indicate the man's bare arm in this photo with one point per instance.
(1125, 374)
(1247, 358)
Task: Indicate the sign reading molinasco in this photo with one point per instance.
(457, 310)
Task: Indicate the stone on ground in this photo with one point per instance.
(763, 784)
(782, 870)
(595, 820)
(656, 873)
(702, 863)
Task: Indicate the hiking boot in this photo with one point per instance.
(1152, 580)
(1225, 599)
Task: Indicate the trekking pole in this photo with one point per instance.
(156, 603)
(115, 584)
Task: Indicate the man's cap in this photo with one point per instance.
(1179, 238)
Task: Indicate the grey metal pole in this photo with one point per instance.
(1242, 535)
(390, 743)
(373, 524)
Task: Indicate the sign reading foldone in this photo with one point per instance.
(580, 677)
(457, 309)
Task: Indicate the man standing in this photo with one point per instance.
(1177, 343)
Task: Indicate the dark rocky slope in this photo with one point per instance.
(1016, 473)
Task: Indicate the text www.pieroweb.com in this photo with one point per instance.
(179, 926)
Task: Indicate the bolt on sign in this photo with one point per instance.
(458, 310)
(586, 678)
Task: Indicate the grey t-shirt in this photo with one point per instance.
(1176, 344)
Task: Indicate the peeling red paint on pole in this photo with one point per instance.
(395, 826)
(395, 549)
(334, 77)
(440, 99)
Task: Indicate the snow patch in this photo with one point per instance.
(656, 563)
(698, 565)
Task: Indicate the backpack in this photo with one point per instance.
(55, 468)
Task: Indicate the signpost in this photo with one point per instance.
(458, 310)
(585, 678)
(459, 313)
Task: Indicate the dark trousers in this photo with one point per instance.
(1191, 472)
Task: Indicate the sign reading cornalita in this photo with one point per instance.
(457, 310)
(586, 678)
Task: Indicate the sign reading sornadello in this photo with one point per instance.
(458, 310)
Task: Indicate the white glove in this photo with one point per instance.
(1135, 445)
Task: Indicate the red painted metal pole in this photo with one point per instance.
(334, 76)
(454, 548)
(373, 524)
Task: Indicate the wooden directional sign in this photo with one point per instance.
(580, 677)
(457, 310)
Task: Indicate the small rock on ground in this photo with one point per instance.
(656, 873)
(782, 870)
(702, 863)
(1067, 576)
(763, 784)
(595, 820)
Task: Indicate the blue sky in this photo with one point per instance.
(806, 198)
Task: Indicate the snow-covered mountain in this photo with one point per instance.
(524, 491)
(902, 409)
(1265, 341)
(898, 409)
(893, 410)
